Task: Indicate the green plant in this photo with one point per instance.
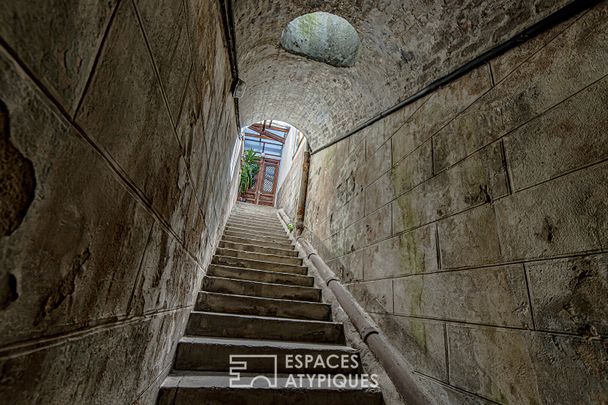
(290, 227)
(249, 169)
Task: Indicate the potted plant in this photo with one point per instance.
(249, 170)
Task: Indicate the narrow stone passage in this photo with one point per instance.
(258, 300)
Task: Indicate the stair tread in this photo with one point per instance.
(228, 285)
(267, 318)
(265, 255)
(261, 283)
(243, 248)
(273, 272)
(210, 379)
(262, 306)
(259, 272)
(260, 261)
(248, 239)
(276, 344)
(273, 300)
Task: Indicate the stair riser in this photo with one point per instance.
(279, 291)
(254, 224)
(259, 256)
(262, 307)
(257, 231)
(251, 396)
(221, 325)
(254, 241)
(216, 357)
(255, 218)
(251, 236)
(258, 249)
(261, 276)
(259, 265)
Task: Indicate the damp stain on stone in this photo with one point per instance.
(419, 334)
(548, 230)
(8, 290)
(482, 196)
(17, 180)
(66, 288)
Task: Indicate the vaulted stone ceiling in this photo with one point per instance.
(405, 44)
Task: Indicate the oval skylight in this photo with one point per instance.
(323, 37)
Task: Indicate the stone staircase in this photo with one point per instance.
(258, 299)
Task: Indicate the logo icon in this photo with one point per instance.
(239, 363)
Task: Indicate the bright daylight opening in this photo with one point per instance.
(269, 150)
(323, 37)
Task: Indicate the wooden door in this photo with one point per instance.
(265, 188)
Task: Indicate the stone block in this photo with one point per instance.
(348, 268)
(444, 394)
(478, 180)
(139, 136)
(82, 227)
(438, 109)
(412, 170)
(354, 210)
(403, 176)
(504, 65)
(168, 276)
(356, 140)
(350, 176)
(373, 296)
(409, 253)
(420, 341)
(512, 366)
(374, 138)
(125, 359)
(567, 137)
(527, 92)
(371, 229)
(335, 245)
(394, 121)
(379, 193)
(375, 165)
(469, 239)
(58, 41)
(494, 295)
(567, 215)
(165, 26)
(570, 295)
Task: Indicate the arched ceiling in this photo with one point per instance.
(405, 44)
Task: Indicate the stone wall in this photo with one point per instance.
(114, 160)
(473, 224)
(289, 193)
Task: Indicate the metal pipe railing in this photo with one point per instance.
(393, 363)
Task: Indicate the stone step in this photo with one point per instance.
(257, 230)
(258, 249)
(267, 233)
(247, 305)
(255, 210)
(259, 256)
(214, 324)
(213, 354)
(286, 244)
(274, 225)
(260, 275)
(254, 216)
(258, 289)
(259, 265)
(257, 237)
(187, 388)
